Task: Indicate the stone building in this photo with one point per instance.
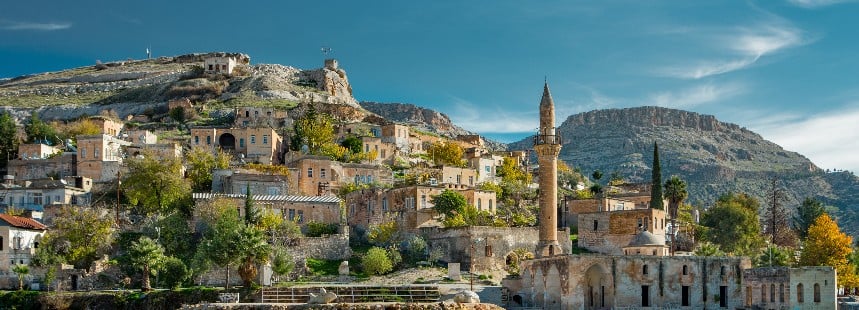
(259, 117)
(319, 172)
(108, 126)
(301, 209)
(37, 194)
(486, 166)
(458, 176)
(237, 181)
(790, 288)
(609, 232)
(255, 144)
(219, 64)
(19, 238)
(99, 157)
(28, 151)
(385, 152)
(140, 137)
(59, 166)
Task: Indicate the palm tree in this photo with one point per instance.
(21, 271)
(675, 191)
(146, 254)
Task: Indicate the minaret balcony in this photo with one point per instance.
(547, 139)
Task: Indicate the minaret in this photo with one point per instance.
(547, 144)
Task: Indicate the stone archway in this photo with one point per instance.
(597, 288)
(227, 141)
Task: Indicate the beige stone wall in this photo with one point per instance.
(616, 229)
(328, 213)
(578, 281)
(312, 170)
(262, 145)
(457, 175)
(65, 165)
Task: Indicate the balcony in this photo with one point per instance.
(547, 139)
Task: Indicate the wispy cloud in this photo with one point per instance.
(817, 3)
(745, 46)
(827, 138)
(478, 118)
(694, 96)
(17, 25)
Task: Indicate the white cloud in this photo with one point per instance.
(694, 96)
(745, 46)
(480, 119)
(828, 139)
(816, 3)
(15, 25)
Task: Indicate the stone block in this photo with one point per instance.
(453, 272)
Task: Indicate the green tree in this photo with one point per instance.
(218, 245)
(313, 130)
(448, 202)
(675, 191)
(154, 183)
(176, 237)
(416, 248)
(21, 271)
(826, 245)
(733, 224)
(37, 130)
(805, 216)
(80, 235)
(708, 249)
(384, 234)
(173, 272)
(446, 153)
(511, 172)
(147, 255)
(352, 143)
(376, 261)
(774, 255)
(253, 250)
(468, 216)
(656, 179)
(200, 163)
(8, 138)
(281, 262)
(252, 215)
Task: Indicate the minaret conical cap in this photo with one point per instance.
(547, 97)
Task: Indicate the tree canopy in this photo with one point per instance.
(8, 138)
(446, 153)
(154, 183)
(656, 180)
(37, 130)
(449, 202)
(805, 216)
(201, 162)
(147, 255)
(313, 130)
(826, 245)
(80, 235)
(733, 224)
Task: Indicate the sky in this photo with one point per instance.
(786, 69)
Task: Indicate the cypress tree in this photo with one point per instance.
(251, 213)
(656, 179)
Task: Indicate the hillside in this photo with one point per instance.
(712, 156)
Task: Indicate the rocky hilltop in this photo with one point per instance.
(712, 156)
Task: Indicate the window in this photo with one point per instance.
(300, 216)
(799, 293)
(722, 271)
(685, 270)
(196, 139)
(309, 172)
(253, 139)
(384, 204)
(596, 224)
(256, 113)
(645, 296)
(264, 139)
(763, 293)
(487, 169)
(781, 292)
(423, 201)
(490, 205)
(684, 296)
(644, 269)
(383, 153)
(723, 296)
(458, 179)
(241, 142)
(1, 243)
(816, 292)
(291, 214)
(366, 148)
(210, 68)
(83, 153)
(471, 180)
(273, 191)
(95, 154)
(772, 292)
(748, 296)
(479, 204)
(37, 198)
(208, 140)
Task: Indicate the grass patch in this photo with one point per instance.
(321, 267)
(35, 101)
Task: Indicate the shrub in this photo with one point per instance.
(376, 261)
(174, 273)
(317, 229)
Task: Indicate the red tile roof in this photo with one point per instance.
(22, 222)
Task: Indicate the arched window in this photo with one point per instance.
(816, 292)
(799, 293)
(644, 269)
(722, 271)
(763, 293)
(748, 296)
(781, 292)
(685, 270)
(772, 292)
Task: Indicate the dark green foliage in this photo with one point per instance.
(449, 202)
(352, 143)
(281, 262)
(656, 180)
(733, 224)
(37, 130)
(23, 300)
(806, 213)
(321, 267)
(173, 273)
(8, 140)
(176, 237)
(317, 229)
(252, 215)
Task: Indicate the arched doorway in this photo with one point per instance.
(227, 141)
(597, 288)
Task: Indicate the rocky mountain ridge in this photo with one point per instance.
(713, 157)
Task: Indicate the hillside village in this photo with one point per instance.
(214, 182)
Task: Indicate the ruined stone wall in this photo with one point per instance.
(579, 281)
(329, 247)
(63, 166)
(492, 245)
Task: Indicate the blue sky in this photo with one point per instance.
(785, 69)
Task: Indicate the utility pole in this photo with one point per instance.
(118, 184)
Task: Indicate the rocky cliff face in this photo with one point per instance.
(712, 156)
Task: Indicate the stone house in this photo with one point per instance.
(108, 126)
(385, 152)
(219, 64)
(140, 137)
(259, 117)
(159, 150)
(19, 239)
(610, 232)
(487, 167)
(358, 129)
(411, 206)
(320, 172)
(398, 135)
(236, 181)
(261, 144)
(572, 208)
(790, 288)
(62, 166)
(301, 209)
(37, 194)
(458, 176)
(29, 151)
(99, 157)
